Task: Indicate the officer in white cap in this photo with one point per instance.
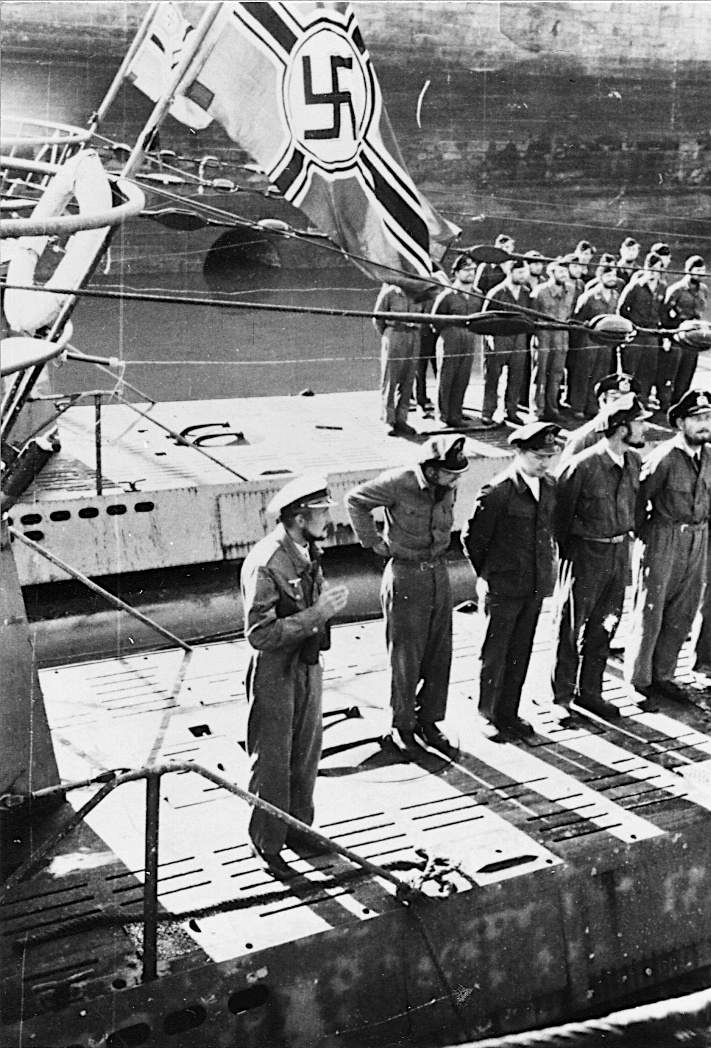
(509, 542)
(675, 495)
(417, 503)
(287, 611)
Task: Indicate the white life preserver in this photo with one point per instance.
(82, 178)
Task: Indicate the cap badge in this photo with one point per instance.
(624, 385)
(702, 401)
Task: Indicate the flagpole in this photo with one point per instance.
(20, 393)
(144, 28)
(195, 42)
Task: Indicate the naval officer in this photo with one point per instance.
(595, 516)
(509, 542)
(675, 497)
(417, 503)
(287, 611)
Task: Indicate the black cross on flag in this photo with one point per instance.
(293, 84)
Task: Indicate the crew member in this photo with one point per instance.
(399, 354)
(506, 351)
(627, 262)
(549, 349)
(509, 541)
(593, 360)
(455, 344)
(287, 610)
(595, 517)
(607, 391)
(685, 300)
(416, 595)
(675, 496)
(640, 303)
(489, 275)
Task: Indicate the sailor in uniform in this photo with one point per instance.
(418, 507)
(675, 496)
(287, 610)
(595, 516)
(607, 391)
(509, 542)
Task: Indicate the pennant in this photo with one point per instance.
(158, 56)
(294, 85)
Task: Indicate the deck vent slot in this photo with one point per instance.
(88, 512)
(144, 507)
(129, 1037)
(60, 514)
(245, 1000)
(116, 511)
(36, 536)
(30, 518)
(186, 1019)
(507, 864)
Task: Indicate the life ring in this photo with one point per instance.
(82, 178)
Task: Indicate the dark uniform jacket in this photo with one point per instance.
(501, 298)
(673, 490)
(683, 302)
(509, 539)
(597, 499)
(641, 306)
(279, 590)
(592, 303)
(418, 517)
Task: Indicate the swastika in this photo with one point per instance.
(335, 97)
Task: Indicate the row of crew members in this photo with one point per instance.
(534, 529)
(552, 364)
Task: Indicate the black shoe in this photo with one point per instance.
(572, 720)
(668, 689)
(404, 739)
(522, 728)
(514, 420)
(598, 706)
(303, 844)
(433, 737)
(273, 863)
(487, 422)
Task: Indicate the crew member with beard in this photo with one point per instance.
(685, 300)
(287, 610)
(675, 501)
(418, 508)
(595, 518)
(455, 344)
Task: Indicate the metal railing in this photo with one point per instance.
(153, 774)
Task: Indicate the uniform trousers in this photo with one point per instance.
(284, 738)
(506, 653)
(667, 367)
(688, 359)
(417, 606)
(398, 364)
(455, 355)
(590, 594)
(428, 356)
(496, 358)
(669, 584)
(592, 363)
(548, 372)
(641, 359)
(703, 644)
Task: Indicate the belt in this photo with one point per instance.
(613, 541)
(682, 527)
(419, 565)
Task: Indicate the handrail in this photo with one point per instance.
(153, 774)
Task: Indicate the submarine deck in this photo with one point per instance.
(621, 808)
